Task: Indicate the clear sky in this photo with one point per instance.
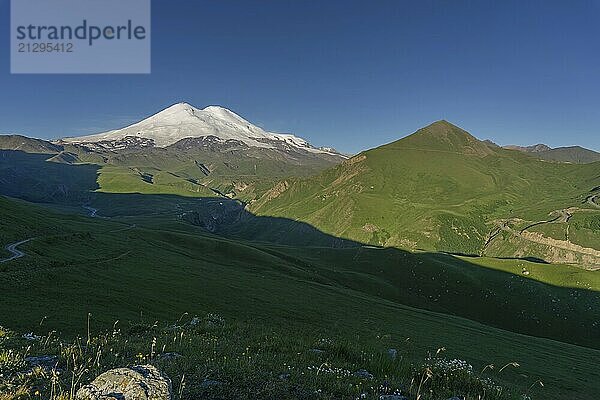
(351, 74)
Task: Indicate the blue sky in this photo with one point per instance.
(351, 74)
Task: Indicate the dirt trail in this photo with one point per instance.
(127, 228)
(563, 217)
(16, 253)
(561, 244)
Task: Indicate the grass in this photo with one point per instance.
(209, 357)
(585, 229)
(439, 189)
(363, 297)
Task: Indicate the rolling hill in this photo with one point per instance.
(364, 297)
(442, 189)
(439, 189)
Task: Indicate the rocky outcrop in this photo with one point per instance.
(141, 382)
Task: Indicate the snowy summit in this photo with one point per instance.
(182, 120)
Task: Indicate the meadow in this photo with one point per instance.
(364, 300)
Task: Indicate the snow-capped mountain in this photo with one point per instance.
(182, 121)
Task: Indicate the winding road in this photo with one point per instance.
(16, 253)
(593, 200)
(563, 216)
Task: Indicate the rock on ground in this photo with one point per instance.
(392, 353)
(46, 362)
(392, 397)
(141, 382)
(363, 374)
(210, 383)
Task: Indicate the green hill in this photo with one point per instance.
(369, 299)
(574, 154)
(441, 189)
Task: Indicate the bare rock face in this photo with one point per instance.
(140, 382)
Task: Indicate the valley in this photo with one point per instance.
(82, 265)
(438, 240)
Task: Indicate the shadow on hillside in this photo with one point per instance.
(530, 259)
(30, 177)
(433, 281)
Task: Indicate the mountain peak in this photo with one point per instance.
(179, 106)
(571, 154)
(226, 115)
(445, 136)
(217, 109)
(442, 127)
(443, 130)
(178, 110)
(182, 121)
(442, 123)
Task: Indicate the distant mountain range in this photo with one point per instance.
(181, 150)
(438, 189)
(571, 154)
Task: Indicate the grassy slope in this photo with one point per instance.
(574, 154)
(243, 173)
(437, 189)
(247, 362)
(30, 145)
(40, 171)
(114, 271)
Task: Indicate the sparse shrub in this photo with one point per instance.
(11, 360)
(448, 377)
(20, 393)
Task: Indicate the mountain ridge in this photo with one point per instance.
(567, 154)
(536, 148)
